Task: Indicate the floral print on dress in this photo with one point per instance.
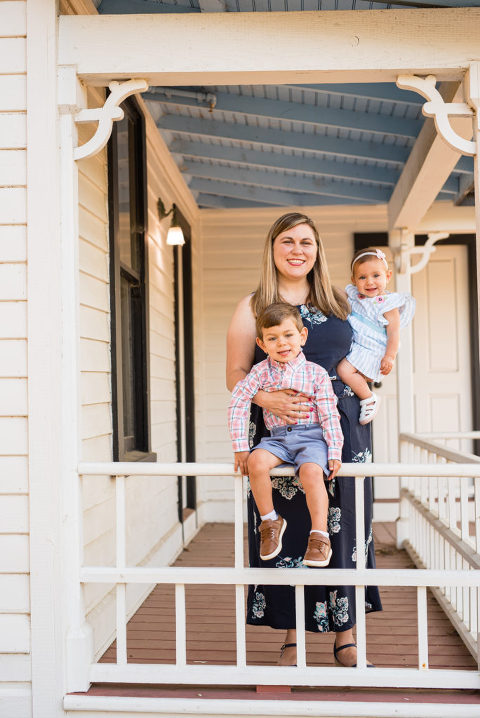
(347, 391)
(320, 616)
(334, 516)
(312, 315)
(252, 430)
(338, 608)
(287, 486)
(259, 603)
(331, 487)
(363, 457)
(289, 562)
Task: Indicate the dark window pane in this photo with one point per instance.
(128, 376)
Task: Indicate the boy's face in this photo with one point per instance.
(283, 342)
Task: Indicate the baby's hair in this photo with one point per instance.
(275, 314)
(366, 254)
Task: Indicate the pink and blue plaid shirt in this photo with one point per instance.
(300, 375)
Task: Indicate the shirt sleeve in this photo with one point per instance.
(405, 303)
(239, 409)
(328, 416)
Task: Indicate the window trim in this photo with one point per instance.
(144, 453)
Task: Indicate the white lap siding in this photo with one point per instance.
(232, 244)
(15, 669)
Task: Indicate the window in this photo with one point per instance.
(128, 287)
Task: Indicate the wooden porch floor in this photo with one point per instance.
(392, 634)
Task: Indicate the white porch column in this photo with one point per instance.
(398, 239)
(78, 636)
(472, 92)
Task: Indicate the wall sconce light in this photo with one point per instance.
(175, 234)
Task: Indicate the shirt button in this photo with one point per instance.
(289, 428)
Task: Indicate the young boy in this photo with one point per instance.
(313, 445)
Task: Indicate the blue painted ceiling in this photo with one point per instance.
(282, 145)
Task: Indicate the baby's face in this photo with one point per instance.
(284, 341)
(371, 277)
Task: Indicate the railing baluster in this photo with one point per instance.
(300, 624)
(121, 562)
(476, 492)
(240, 625)
(180, 625)
(422, 621)
(360, 564)
(239, 522)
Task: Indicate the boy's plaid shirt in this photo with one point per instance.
(300, 375)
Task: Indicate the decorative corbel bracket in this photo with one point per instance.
(106, 116)
(402, 259)
(440, 110)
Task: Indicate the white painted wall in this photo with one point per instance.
(15, 669)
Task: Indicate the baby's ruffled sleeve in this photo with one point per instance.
(405, 303)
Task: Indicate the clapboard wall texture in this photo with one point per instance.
(231, 247)
(14, 507)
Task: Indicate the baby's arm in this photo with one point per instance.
(393, 339)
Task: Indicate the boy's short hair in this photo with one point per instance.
(275, 314)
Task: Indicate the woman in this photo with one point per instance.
(294, 270)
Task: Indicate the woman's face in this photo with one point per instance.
(295, 251)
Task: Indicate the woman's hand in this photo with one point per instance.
(288, 405)
(240, 462)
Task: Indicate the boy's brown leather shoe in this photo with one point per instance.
(271, 532)
(318, 551)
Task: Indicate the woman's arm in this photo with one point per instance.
(393, 340)
(241, 337)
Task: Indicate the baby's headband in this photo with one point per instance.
(376, 253)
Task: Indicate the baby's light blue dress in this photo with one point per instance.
(369, 327)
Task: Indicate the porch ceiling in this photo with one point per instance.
(283, 145)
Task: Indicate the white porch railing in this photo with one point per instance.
(439, 524)
(451, 578)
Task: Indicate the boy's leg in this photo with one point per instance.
(356, 381)
(260, 462)
(318, 551)
(271, 530)
(312, 479)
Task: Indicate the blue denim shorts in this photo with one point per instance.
(297, 444)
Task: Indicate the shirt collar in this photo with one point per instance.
(294, 363)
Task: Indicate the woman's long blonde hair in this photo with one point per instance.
(321, 294)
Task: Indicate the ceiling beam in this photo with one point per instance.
(134, 7)
(237, 48)
(264, 195)
(214, 201)
(294, 112)
(378, 91)
(212, 5)
(429, 165)
(335, 146)
(288, 182)
(276, 160)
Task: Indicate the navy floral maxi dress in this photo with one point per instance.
(327, 608)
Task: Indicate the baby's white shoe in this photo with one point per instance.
(368, 409)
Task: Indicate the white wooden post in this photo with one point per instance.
(79, 641)
(399, 239)
(472, 92)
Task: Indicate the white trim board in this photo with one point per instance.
(237, 48)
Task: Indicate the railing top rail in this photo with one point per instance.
(449, 434)
(459, 457)
(458, 470)
(278, 576)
